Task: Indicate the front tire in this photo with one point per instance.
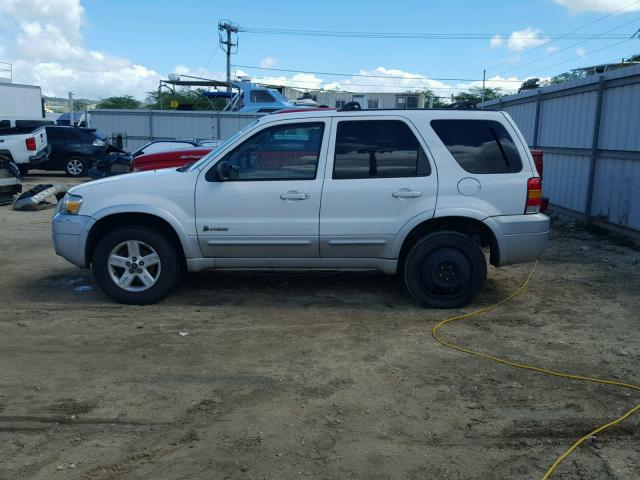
(135, 265)
(445, 270)
(75, 166)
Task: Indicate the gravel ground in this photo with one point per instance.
(312, 375)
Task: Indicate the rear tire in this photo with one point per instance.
(445, 270)
(136, 265)
(75, 166)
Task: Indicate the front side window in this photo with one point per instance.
(261, 96)
(378, 149)
(284, 152)
(479, 146)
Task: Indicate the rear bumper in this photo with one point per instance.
(40, 157)
(520, 238)
(70, 236)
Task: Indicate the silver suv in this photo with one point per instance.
(416, 192)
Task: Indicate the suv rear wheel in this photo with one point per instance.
(75, 166)
(136, 265)
(445, 270)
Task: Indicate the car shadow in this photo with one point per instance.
(255, 289)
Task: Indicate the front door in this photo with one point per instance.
(378, 178)
(267, 203)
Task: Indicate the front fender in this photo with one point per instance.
(190, 247)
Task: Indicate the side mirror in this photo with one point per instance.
(223, 171)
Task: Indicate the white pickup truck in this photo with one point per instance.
(27, 147)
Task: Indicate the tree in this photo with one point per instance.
(195, 98)
(474, 95)
(126, 101)
(438, 102)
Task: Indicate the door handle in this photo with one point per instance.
(294, 195)
(406, 193)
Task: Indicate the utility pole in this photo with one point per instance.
(71, 120)
(484, 75)
(226, 30)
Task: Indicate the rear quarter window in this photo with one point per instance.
(479, 146)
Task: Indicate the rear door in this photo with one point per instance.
(378, 177)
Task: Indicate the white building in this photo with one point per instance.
(366, 100)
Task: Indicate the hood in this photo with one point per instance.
(125, 182)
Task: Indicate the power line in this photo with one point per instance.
(569, 47)
(401, 87)
(336, 74)
(546, 44)
(580, 56)
(400, 35)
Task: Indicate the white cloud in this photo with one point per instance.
(604, 6)
(521, 39)
(268, 62)
(43, 40)
(581, 52)
(552, 49)
(496, 41)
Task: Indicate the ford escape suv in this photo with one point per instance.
(417, 192)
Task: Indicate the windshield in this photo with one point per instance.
(223, 145)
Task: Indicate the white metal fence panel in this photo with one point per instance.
(138, 127)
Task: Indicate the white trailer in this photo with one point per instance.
(20, 102)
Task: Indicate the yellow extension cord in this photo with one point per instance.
(533, 368)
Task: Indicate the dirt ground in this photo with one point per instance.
(312, 375)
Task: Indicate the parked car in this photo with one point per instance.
(73, 149)
(118, 161)
(26, 146)
(170, 159)
(421, 192)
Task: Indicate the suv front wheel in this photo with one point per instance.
(445, 270)
(135, 265)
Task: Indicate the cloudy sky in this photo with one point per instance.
(99, 48)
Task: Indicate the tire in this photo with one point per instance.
(445, 270)
(24, 170)
(75, 166)
(140, 283)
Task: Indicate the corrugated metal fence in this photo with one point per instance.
(589, 130)
(139, 127)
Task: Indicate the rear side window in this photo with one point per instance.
(479, 146)
(378, 149)
(261, 96)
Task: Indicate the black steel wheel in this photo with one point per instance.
(445, 270)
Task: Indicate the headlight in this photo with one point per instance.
(70, 204)
(99, 142)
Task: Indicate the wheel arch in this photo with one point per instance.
(473, 227)
(156, 222)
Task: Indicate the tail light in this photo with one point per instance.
(534, 195)
(538, 159)
(31, 143)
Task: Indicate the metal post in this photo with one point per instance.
(71, 122)
(151, 125)
(218, 125)
(431, 101)
(536, 125)
(484, 75)
(594, 149)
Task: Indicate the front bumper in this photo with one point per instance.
(70, 234)
(40, 157)
(520, 238)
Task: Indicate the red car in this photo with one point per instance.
(170, 159)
